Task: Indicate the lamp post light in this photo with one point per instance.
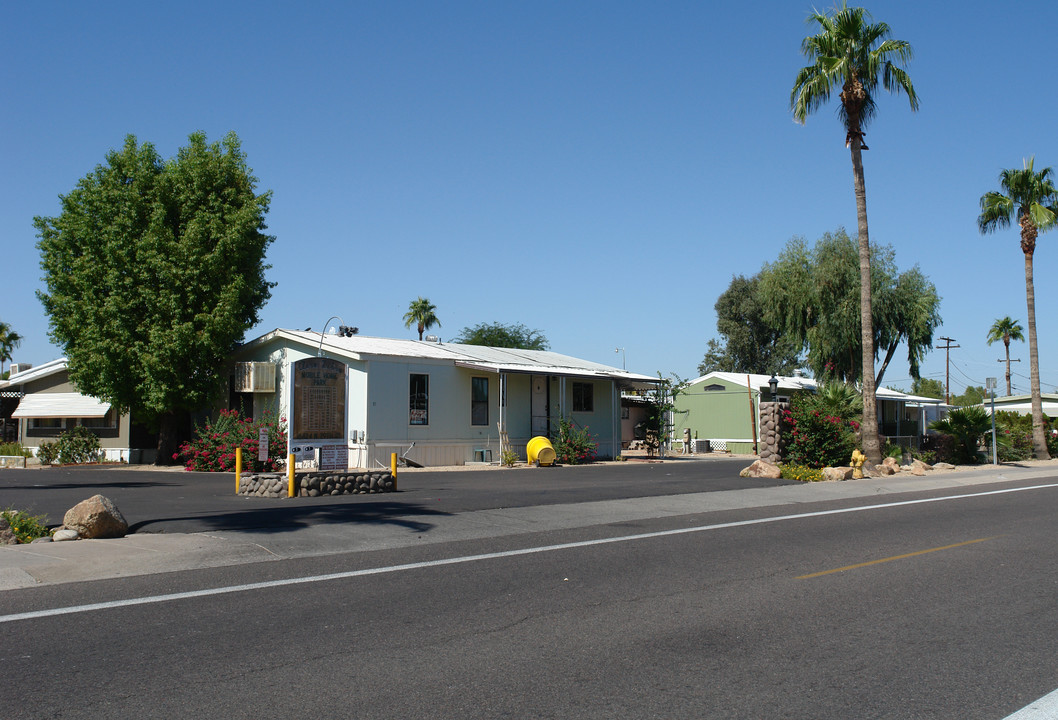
(343, 331)
(773, 384)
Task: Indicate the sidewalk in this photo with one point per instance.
(32, 565)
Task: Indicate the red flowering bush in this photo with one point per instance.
(213, 449)
(573, 445)
(814, 438)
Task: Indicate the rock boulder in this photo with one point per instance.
(96, 517)
(762, 469)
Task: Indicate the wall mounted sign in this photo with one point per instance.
(319, 399)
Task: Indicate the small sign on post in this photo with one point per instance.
(262, 445)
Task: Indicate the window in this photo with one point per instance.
(107, 422)
(479, 401)
(47, 423)
(583, 397)
(419, 400)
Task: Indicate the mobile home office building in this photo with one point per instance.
(359, 399)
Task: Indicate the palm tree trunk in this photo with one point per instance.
(869, 426)
(1039, 439)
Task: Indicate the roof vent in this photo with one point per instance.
(433, 339)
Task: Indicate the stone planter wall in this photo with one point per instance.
(316, 483)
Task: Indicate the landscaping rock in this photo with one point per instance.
(65, 534)
(943, 466)
(7, 535)
(886, 469)
(761, 469)
(837, 473)
(919, 465)
(891, 463)
(96, 517)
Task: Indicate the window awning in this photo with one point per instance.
(60, 405)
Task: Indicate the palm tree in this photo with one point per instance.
(1031, 198)
(9, 340)
(852, 53)
(421, 313)
(1006, 329)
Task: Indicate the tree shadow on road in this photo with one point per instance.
(288, 519)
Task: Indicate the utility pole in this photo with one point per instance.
(947, 373)
(1008, 371)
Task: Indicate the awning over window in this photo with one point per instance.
(60, 405)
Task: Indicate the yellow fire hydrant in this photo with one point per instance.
(858, 459)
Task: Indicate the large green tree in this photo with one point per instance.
(751, 345)
(811, 296)
(422, 314)
(154, 270)
(927, 387)
(502, 335)
(1029, 198)
(851, 53)
(9, 340)
(1006, 329)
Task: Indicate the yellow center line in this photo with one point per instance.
(895, 557)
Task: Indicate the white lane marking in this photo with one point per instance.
(1046, 708)
(485, 556)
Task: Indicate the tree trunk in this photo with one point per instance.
(1039, 439)
(173, 428)
(869, 427)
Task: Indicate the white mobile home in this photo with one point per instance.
(361, 398)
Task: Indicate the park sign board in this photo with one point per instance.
(319, 399)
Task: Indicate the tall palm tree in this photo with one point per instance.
(421, 313)
(852, 53)
(1006, 329)
(9, 340)
(1031, 198)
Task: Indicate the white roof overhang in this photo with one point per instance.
(60, 405)
(622, 378)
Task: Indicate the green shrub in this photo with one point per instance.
(965, 426)
(574, 445)
(814, 438)
(801, 473)
(509, 458)
(927, 456)
(14, 449)
(26, 528)
(48, 453)
(213, 449)
(78, 445)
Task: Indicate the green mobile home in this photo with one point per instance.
(724, 409)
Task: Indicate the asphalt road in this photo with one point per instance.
(873, 608)
(167, 501)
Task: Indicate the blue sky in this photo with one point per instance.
(595, 170)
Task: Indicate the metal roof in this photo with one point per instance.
(487, 359)
(35, 373)
(805, 383)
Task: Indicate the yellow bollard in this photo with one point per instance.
(290, 475)
(393, 468)
(238, 468)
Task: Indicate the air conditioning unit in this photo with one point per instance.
(19, 367)
(255, 377)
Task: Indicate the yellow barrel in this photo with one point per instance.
(540, 451)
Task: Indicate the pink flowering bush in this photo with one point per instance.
(574, 446)
(213, 449)
(814, 438)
